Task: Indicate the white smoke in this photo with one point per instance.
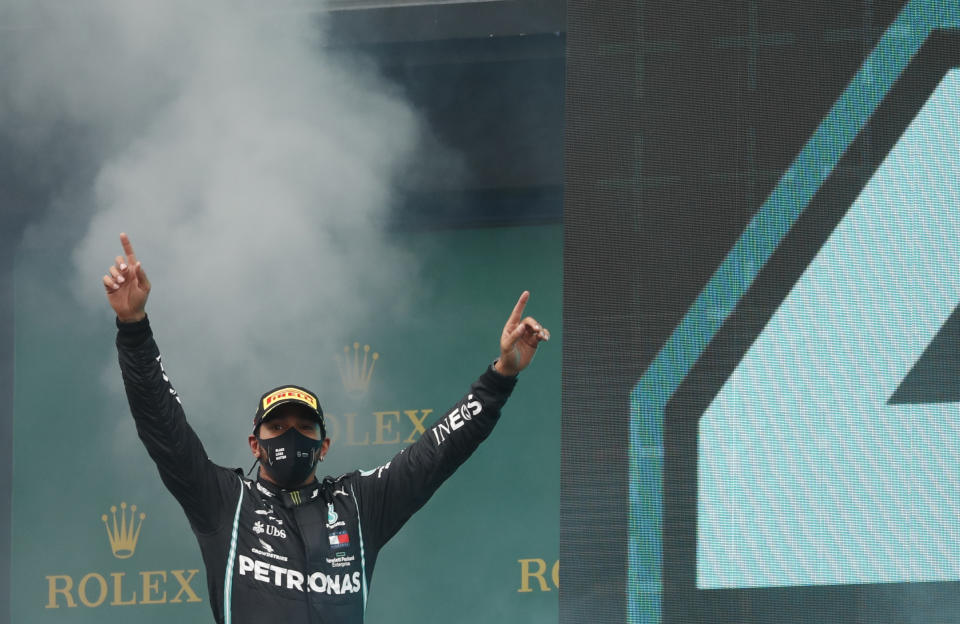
(253, 174)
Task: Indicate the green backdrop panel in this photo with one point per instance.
(483, 549)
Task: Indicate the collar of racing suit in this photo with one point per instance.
(311, 492)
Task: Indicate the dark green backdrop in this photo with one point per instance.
(461, 559)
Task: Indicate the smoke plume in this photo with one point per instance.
(253, 174)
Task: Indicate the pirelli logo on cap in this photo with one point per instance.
(286, 394)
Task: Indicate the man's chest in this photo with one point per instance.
(311, 547)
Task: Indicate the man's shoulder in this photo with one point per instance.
(231, 478)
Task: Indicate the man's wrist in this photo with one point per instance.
(499, 367)
(133, 318)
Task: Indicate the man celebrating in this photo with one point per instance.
(287, 547)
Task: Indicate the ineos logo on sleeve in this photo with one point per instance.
(457, 418)
(474, 406)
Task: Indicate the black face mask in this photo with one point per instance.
(289, 458)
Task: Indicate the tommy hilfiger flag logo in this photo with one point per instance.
(339, 539)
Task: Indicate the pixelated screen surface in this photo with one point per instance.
(779, 225)
(809, 471)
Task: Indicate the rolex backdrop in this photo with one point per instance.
(96, 538)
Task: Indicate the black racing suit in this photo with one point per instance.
(307, 555)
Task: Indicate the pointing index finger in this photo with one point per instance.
(128, 249)
(517, 313)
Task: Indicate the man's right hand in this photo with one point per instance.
(127, 285)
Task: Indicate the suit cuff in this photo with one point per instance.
(133, 334)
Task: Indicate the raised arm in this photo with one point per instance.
(390, 494)
(155, 405)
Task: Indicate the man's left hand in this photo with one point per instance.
(519, 340)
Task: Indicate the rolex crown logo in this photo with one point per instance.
(125, 533)
(355, 371)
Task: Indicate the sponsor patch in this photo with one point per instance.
(339, 539)
(317, 582)
(288, 394)
(269, 554)
(264, 490)
(341, 560)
